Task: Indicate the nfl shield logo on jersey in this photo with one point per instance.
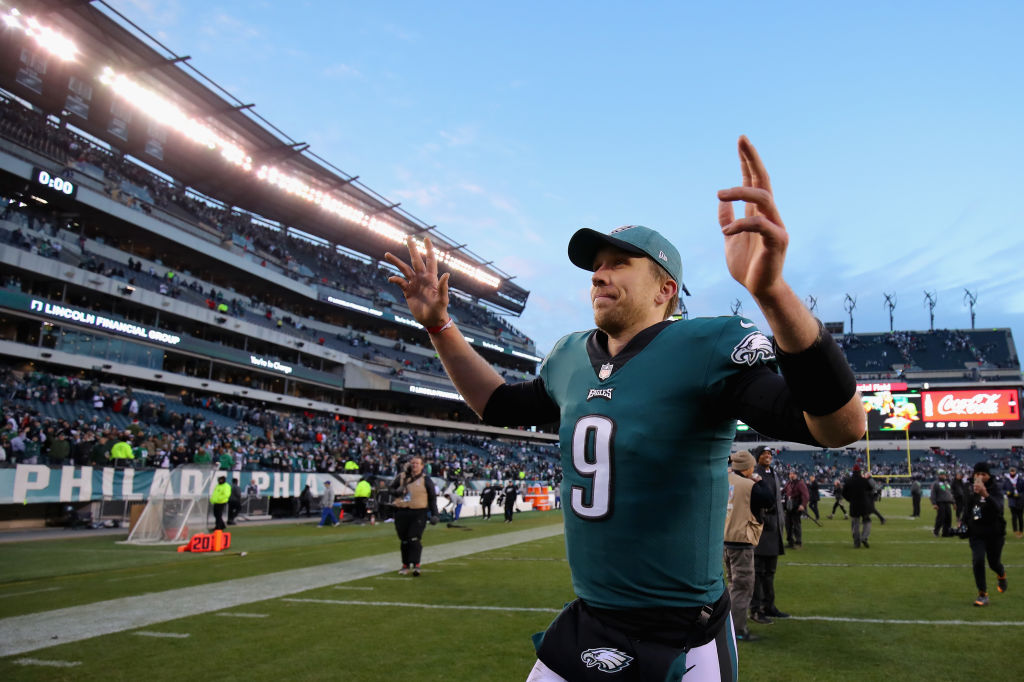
(606, 660)
(606, 371)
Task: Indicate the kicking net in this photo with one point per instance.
(178, 506)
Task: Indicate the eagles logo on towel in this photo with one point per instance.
(606, 660)
(754, 347)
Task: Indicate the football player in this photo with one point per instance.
(647, 411)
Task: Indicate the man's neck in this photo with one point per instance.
(619, 341)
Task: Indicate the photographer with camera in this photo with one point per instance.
(749, 497)
(415, 499)
(986, 529)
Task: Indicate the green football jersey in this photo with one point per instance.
(645, 459)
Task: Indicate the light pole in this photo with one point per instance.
(849, 303)
(890, 302)
(930, 299)
(970, 298)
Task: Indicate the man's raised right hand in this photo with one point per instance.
(425, 293)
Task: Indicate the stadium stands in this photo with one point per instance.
(166, 432)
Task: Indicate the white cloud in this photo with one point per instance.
(461, 136)
(341, 70)
(163, 13)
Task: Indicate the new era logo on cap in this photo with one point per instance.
(635, 239)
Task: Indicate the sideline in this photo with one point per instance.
(887, 621)
(22, 634)
(840, 565)
(510, 609)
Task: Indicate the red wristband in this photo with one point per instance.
(440, 328)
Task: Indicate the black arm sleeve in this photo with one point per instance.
(760, 497)
(523, 404)
(762, 400)
(431, 496)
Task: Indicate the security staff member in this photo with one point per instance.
(458, 498)
(121, 453)
(416, 497)
(362, 494)
(219, 498)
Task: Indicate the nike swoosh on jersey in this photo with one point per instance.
(747, 325)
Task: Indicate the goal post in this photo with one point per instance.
(910, 470)
(178, 506)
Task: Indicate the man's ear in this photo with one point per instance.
(668, 289)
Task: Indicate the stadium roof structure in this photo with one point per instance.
(108, 77)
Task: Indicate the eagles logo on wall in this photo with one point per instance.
(754, 347)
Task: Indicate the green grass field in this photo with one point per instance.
(905, 606)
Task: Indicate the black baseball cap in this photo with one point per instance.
(635, 239)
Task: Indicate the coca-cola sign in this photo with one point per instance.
(998, 404)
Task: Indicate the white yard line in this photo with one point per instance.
(135, 577)
(48, 664)
(887, 621)
(480, 607)
(840, 565)
(457, 607)
(18, 594)
(162, 635)
(515, 558)
(239, 614)
(21, 634)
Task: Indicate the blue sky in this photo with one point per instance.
(891, 131)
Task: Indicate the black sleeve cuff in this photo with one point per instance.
(819, 376)
(522, 404)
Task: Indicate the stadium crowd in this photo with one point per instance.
(237, 435)
(297, 257)
(38, 230)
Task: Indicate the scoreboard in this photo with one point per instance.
(893, 407)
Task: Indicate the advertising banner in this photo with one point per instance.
(933, 410)
(35, 483)
(974, 405)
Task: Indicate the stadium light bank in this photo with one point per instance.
(169, 114)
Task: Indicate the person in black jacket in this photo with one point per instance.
(415, 499)
(749, 497)
(837, 491)
(986, 529)
(858, 491)
(509, 495)
(814, 488)
(769, 548)
(487, 499)
(235, 501)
